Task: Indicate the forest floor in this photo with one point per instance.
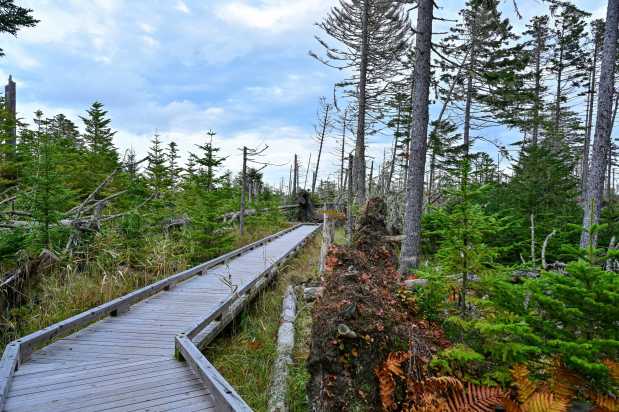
(245, 352)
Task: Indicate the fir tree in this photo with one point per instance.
(464, 229)
(157, 172)
(98, 139)
(536, 49)
(567, 65)
(174, 168)
(208, 162)
(45, 192)
(480, 42)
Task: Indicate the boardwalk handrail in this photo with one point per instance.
(224, 395)
(20, 350)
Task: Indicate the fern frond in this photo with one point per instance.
(443, 383)
(604, 402)
(563, 382)
(613, 369)
(545, 402)
(511, 406)
(526, 387)
(476, 399)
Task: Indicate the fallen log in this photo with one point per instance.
(285, 345)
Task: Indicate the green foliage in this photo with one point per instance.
(13, 18)
(463, 228)
(543, 185)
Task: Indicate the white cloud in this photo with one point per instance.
(182, 7)
(275, 15)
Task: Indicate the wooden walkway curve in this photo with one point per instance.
(126, 361)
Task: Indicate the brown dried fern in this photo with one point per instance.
(613, 369)
(476, 399)
(545, 402)
(604, 403)
(526, 387)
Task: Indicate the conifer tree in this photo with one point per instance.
(465, 227)
(567, 66)
(45, 192)
(481, 41)
(207, 162)
(157, 171)
(372, 34)
(536, 49)
(174, 168)
(98, 139)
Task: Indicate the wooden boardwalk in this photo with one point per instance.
(127, 362)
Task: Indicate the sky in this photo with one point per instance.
(182, 67)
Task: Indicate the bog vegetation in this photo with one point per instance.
(504, 288)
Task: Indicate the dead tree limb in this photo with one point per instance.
(544, 246)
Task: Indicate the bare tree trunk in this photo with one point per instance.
(411, 246)
(359, 169)
(349, 201)
(544, 246)
(371, 178)
(533, 240)
(538, 76)
(328, 233)
(309, 161)
(589, 127)
(395, 147)
(343, 153)
(325, 122)
(603, 126)
(558, 93)
(243, 188)
(295, 177)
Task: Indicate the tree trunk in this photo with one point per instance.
(322, 140)
(243, 188)
(589, 127)
(538, 80)
(349, 201)
(359, 168)
(411, 246)
(395, 147)
(558, 96)
(603, 126)
(344, 119)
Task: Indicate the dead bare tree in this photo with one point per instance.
(324, 125)
(373, 35)
(603, 126)
(411, 246)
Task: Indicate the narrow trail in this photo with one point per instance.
(127, 362)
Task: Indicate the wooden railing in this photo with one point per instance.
(20, 350)
(188, 344)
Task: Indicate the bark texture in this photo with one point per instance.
(603, 126)
(411, 246)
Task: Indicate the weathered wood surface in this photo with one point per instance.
(126, 362)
